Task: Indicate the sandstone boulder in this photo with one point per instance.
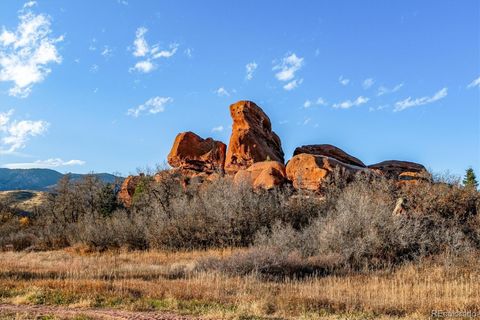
(329, 151)
(308, 171)
(265, 175)
(252, 138)
(127, 190)
(403, 171)
(191, 152)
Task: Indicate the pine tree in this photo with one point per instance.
(470, 179)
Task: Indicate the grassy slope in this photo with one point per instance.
(164, 281)
(25, 200)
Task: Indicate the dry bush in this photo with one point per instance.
(360, 232)
(349, 226)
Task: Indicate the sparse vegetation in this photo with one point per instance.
(219, 248)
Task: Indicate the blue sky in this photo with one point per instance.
(105, 86)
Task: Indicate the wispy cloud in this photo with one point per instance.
(222, 92)
(148, 54)
(381, 107)
(94, 68)
(367, 83)
(347, 104)
(250, 69)
(306, 121)
(107, 52)
(319, 102)
(15, 134)
(217, 129)
(384, 90)
(140, 43)
(29, 4)
(474, 83)
(188, 52)
(27, 52)
(409, 102)
(45, 164)
(343, 81)
(151, 106)
(287, 69)
(293, 84)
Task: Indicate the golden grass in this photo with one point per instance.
(158, 280)
(24, 199)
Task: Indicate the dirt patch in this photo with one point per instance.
(70, 313)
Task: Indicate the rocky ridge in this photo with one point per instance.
(254, 156)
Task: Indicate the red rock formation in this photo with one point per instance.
(329, 151)
(404, 171)
(252, 138)
(127, 190)
(308, 171)
(191, 152)
(265, 174)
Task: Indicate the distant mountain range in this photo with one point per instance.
(39, 179)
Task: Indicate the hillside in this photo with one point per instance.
(38, 179)
(24, 200)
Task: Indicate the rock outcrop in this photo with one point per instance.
(329, 151)
(252, 138)
(127, 190)
(308, 171)
(191, 152)
(265, 175)
(404, 171)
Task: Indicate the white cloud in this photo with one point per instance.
(157, 53)
(106, 52)
(140, 43)
(49, 163)
(321, 102)
(409, 102)
(293, 84)
(217, 129)
(148, 54)
(367, 83)
(384, 90)
(250, 68)
(124, 2)
(152, 106)
(474, 83)
(27, 52)
(347, 104)
(222, 92)
(343, 81)
(143, 67)
(29, 4)
(306, 121)
(14, 134)
(287, 69)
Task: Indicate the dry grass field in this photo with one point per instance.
(166, 281)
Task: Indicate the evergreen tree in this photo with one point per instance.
(470, 179)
